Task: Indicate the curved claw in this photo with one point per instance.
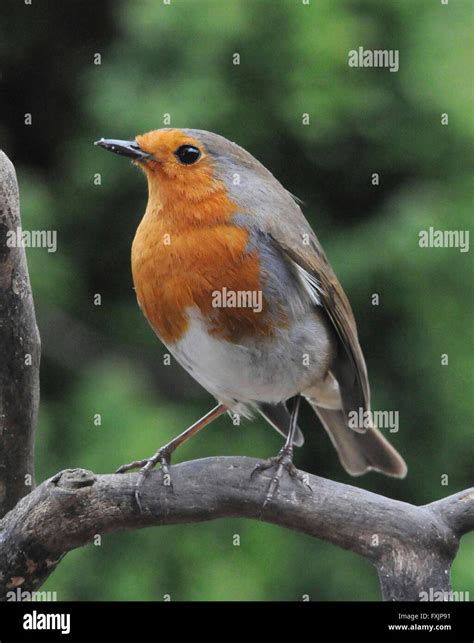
(273, 486)
(136, 464)
(163, 457)
(263, 466)
(283, 461)
(138, 499)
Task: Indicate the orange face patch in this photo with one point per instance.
(168, 179)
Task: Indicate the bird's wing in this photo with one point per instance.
(349, 367)
(293, 235)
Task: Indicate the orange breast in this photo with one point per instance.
(180, 261)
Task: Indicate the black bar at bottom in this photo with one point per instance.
(239, 621)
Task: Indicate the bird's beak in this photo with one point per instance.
(124, 148)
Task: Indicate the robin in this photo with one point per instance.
(233, 280)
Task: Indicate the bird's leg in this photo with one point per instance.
(163, 455)
(284, 459)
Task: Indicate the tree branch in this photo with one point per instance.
(412, 547)
(19, 353)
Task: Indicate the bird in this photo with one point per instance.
(234, 282)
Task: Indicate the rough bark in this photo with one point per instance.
(19, 353)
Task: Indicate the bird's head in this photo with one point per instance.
(175, 162)
(191, 163)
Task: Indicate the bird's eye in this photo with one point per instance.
(187, 154)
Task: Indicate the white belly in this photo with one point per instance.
(266, 370)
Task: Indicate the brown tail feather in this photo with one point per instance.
(361, 452)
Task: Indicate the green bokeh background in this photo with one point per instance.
(177, 59)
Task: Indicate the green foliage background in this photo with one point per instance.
(178, 59)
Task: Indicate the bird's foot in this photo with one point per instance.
(163, 457)
(283, 461)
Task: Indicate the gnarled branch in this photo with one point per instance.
(412, 547)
